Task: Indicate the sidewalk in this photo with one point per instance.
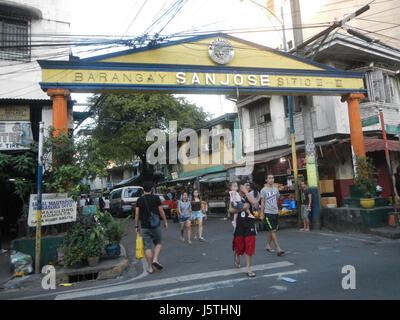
(125, 265)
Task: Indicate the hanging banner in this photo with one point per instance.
(56, 209)
(15, 135)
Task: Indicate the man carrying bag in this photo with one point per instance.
(148, 212)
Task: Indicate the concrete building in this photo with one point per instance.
(268, 116)
(29, 30)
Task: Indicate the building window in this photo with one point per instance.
(382, 87)
(259, 112)
(14, 39)
(297, 103)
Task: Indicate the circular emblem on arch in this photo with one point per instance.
(221, 51)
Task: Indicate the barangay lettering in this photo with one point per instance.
(207, 79)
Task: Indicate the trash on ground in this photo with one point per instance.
(22, 263)
(66, 284)
(288, 280)
(338, 251)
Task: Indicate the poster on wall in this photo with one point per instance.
(56, 209)
(15, 135)
(14, 113)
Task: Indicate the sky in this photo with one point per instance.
(130, 18)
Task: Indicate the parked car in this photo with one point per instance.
(168, 205)
(123, 200)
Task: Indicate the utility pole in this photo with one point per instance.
(39, 199)
(290, 106)
(392, 218)
(311, 157)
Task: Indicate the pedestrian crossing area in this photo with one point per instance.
(176, 286)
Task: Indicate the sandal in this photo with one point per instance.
(270, 250)
(281, 253)
(250, 274)
(157, 265)
(148, 271)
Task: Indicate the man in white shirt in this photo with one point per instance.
(269, 213)
(82, 203)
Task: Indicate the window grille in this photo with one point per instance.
(15, 43)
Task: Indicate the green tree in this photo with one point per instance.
(122, 122)
(67, 161)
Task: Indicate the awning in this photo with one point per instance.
(372, 145)
(127, 182)
(214, 177)
(183, 179)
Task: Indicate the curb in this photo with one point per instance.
(386, 233)
(106, 269)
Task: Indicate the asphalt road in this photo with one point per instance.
(205, 271)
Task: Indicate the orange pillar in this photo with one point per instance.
(60, 113)
(356, 134)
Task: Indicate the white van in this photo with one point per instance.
(123, 200)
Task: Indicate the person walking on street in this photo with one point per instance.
(185, 216)
(306, 206)
(147, 205)
(82, 203)
(256, 196)
(89, 201)
(107, 204)
(101, 203)
(244, 236)
(197, 216)
(269, 211)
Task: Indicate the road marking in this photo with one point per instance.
(345, 237)
(172, 280)
(279, 288)
(200, 288)
(142, 275)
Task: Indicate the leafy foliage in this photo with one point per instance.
(122, 122)
(366, 176)
(90, 234)
(68, 162)
(20, 168)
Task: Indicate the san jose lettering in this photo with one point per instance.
(213, 79)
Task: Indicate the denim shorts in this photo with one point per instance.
(183, 219)
(150, 237)
(197, 215)
(239, 205)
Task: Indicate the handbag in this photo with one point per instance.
(139, 247)
(154, 220)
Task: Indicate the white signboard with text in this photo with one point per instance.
(15, 135)
(56, 209)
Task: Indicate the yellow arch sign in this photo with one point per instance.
(216, 63)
